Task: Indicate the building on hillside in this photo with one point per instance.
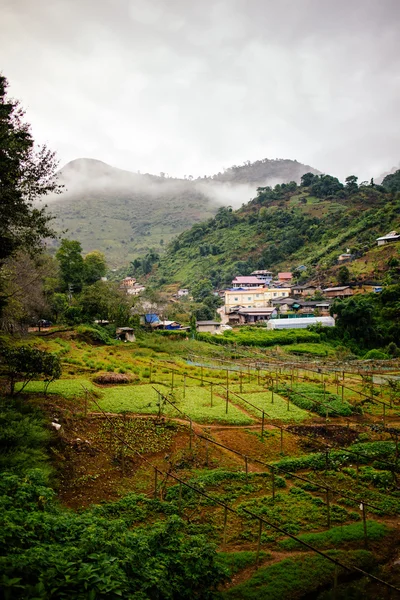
(257, 298)
(135, 290)
(265, 276)
(303, 290)
(285, 277)
(247, 282)
(168, 325)
(208, 327)
(183, 292)
(300, 323)
(150, 319)
(255, 315)
(393, 236)
(125, 334)
(345, 257)
(127, 282)
(344, 291)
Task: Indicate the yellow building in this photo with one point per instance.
(254, 298)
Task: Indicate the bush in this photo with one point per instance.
(376, 355)
(94, 334)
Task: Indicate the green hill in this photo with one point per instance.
(124, 214)
(288, 226)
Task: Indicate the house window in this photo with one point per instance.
(274, 295)
(257, 295)
(249, 298)
(236, 299)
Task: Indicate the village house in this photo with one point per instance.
(345, 257)
(257, 298)
(127, 282)
(303, 290)
(247, 282)
(183, 292)
(255, 315)
(208, 326)
(343, 291)
(265, 276)
(284, 277)
(392, 236)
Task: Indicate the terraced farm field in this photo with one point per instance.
(272, 460)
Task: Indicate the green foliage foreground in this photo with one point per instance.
(49, 552)
(108, 551)
(294, 578)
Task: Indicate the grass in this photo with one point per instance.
(278, 410)
(237, 561)
(68, 388)
(295, 577)
(337, 536)
(196, 404)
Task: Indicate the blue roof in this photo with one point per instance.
(151, 318)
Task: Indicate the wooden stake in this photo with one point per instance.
(180, 498)
(273, 482)
(155, 482)
(262, 425)
(272, 398)
(328, 509)
(364, 525)
(123, 445)
(225, 522)
(227, 400)
(259, 542)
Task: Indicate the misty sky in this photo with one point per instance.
(191, 87)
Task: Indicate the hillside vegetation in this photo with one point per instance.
(288, 226)
(124, 214)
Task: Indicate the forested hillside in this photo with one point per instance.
(124, 214)
(287, 226)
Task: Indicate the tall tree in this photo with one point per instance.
(95, 266)
(27, 174)
(72, 267)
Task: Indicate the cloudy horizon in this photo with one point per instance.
(190, 88)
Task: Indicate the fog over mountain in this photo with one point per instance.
(191, 87)
(124, 214)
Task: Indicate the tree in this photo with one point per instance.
(95, 266)
(391, 182)
(27, 174)
(104, 301)
(29, 363)
(343, 275)
(72, 267)
(201, 290)
(355, 318)
(307, 179)
(351, 184)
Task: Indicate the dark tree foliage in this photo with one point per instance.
(26, 176)
(326, 185)
(24, 364)
(391, 182)
(356, 320)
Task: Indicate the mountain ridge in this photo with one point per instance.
(124, 214)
